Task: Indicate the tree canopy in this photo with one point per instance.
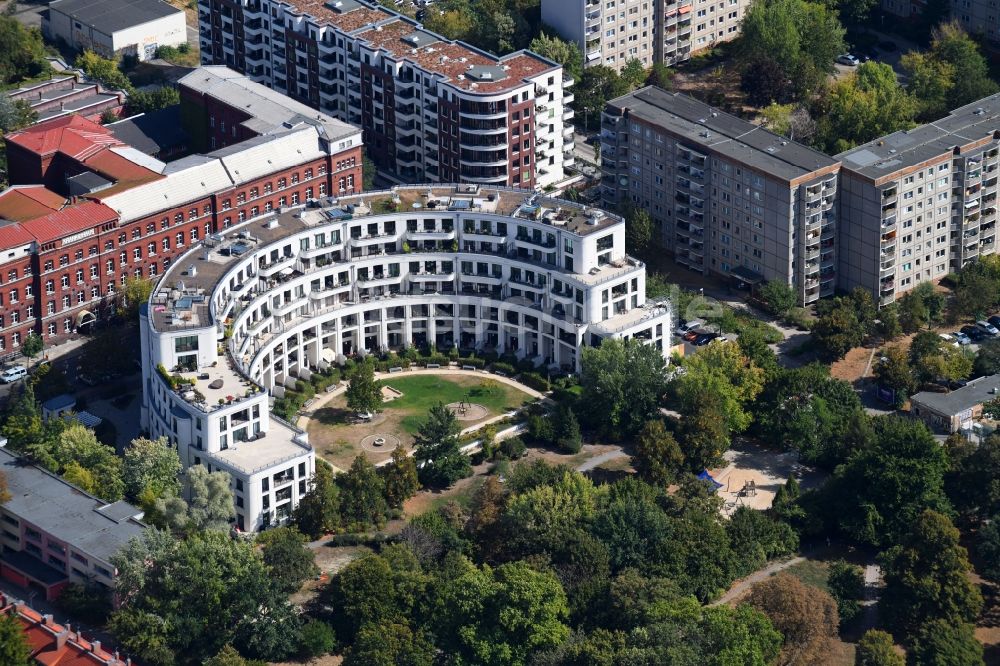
(623, 382)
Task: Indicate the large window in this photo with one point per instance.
(186, 343)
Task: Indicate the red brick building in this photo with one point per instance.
(86, 211)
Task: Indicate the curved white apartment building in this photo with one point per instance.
(272, 299)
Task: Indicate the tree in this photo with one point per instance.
(660, 76)
(598, 84)
(837, 332)
(987, 361)
(882, 489)
(23, 51)
(316, 639)
(76, 447)
(623, 382)
(942, 643)
(104, 71)
(702, 433)
(151, 468)
(791, 43)
(400, 477)
(952, 45)
(318, 512)
(134, 293)
(866, 105)
(15, 114)
(757, 538)
(847, 587)
(211, 501)
(228, 656)
(806, 616)
(566, 429)
(778, 297)
(364, 394)
(893, 372)
(988, 548)
(930, 81)
(633, 73)
(640, 233)
(440, 461)
(657, 457)
(362, 496)
(14, 648)
(721, 369)
(390, 645)
(31, 346)
(927, 578)
(288, 558)
(500, 616)
(557, 50)
(147, 101)
(876, 649)
(368, 170)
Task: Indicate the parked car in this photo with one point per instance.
(13, 374)
(686, 326)
(690, 336)
(987, 328)
(704, 338)
(949, 339)
(847, 59)
(975, 335)
(995, 320)
(961, 338)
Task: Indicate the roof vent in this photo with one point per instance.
(715, 114)
(979, 111)
(706, 134)
(702, 120)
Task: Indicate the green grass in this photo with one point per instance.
(461, 497)
(812, 572)
(422, 392)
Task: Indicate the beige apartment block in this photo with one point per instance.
(917, 204)
(729, 197)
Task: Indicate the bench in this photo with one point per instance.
(469, 367)
(396, 369)
(433, 366)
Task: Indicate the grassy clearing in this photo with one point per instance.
(812, 572)
(421, 392)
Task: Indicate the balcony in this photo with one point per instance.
(365, 241)
(431, 276)
(430, 234)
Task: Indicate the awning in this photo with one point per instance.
(747, 275)
(705, 476)
(286, 271)
(85, 317)
(685, 10)
(328, 355)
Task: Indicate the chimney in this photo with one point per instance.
(95, 646)
(61, 639)
(47, 620)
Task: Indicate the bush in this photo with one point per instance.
(540, 429)
(504, 368)
(535, 381)
(512, 448)
(799, 318)
(316, 639)
(90, 603)
(477, 363)
(525, 365)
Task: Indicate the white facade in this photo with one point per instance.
(484, 269)
(111, 30)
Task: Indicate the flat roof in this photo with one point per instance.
(275, 447)
(955, 402)
(269, 111)
(700, 124)
(108, 16)
(67, 513)
(906, 149)
(152, 133)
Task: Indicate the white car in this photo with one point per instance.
(948, 340)
(13, 374)
(987, 327)
(961, 338)
(689, 326)
(848, 59)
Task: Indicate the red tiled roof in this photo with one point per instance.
(44, 639)
(123, 171)
(71, 220)
(74, 136)
(23, 202)
(14, 235)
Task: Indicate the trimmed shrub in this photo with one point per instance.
(535, 381)
(512, 448)
(505, 368)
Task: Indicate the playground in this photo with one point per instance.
(338, 435)
(753, 475)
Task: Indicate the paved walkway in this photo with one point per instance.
(741, 587)
(597, 461)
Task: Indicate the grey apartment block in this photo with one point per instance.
(729, 197)
(612, 32)
(917, 204)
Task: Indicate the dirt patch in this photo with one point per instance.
(851, 368)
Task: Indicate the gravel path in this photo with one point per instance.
(737, 590)
(597, 461)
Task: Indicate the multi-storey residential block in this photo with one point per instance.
(917, 204)
(729, 197)
(465, 266)
(54, 534)
(431, 109)
(87, 212)
(612, 32)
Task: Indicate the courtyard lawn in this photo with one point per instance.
(421, 392)
(336, 434)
